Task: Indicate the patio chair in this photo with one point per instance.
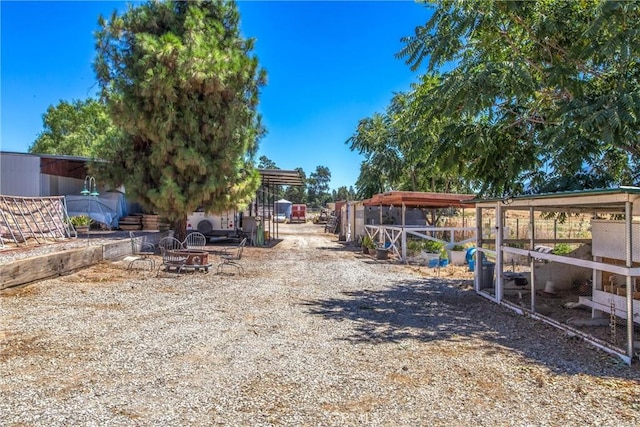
(170, 248)
(232, 257)
(195, 240)
(141, 251)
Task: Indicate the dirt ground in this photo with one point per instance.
(313, 333)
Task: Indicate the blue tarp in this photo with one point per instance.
(106, 208)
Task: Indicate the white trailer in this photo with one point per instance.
(225, 224)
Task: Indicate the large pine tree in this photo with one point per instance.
(182, 84)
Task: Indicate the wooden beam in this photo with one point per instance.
(46, 266)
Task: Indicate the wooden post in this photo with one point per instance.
(403, 240)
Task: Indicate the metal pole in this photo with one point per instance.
(264, 206)
(629, 263)
(276, 225)
(498, 266)
(532, 260)
(478, 266)
(404, 234)
(380, 239)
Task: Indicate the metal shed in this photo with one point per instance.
(607, 251)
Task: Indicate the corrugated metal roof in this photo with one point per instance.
(51, 156)
(604, 199)
(563, 194)
(74, 167)
(280, 177)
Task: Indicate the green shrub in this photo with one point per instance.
(367, 242)
(432, 246)
(80, 220)
(458, 248)
(414, 246)
(562, 249)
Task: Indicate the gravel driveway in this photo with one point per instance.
(313, 334)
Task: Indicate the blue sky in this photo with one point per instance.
(329, 65)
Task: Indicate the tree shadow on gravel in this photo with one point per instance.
(342, 247)
(439, 310)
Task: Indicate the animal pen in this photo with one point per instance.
(392, 219)
(580, 276)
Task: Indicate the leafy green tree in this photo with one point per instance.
(266, 163)
(183, 85)
(297, 194)
(76, 128)
(539, 96)
(318, 186)
(343, 193)
(399, 146)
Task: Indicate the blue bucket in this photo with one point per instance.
(444, 262)
(472, 265)
(433, 263)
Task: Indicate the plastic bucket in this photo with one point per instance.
(382, 253)
(488, 269)
(472, 265)
(470, 256)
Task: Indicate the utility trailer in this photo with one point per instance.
(299, 213)
(225, 224)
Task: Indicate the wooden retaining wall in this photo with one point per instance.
(28, 270)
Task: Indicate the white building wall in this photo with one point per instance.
(358, 211)
(61, 185)
(19, 175)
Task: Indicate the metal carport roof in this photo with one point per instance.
(581, 201)
(280, 177)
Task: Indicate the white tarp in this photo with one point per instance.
(107, 208)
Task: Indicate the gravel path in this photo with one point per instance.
(312, 334)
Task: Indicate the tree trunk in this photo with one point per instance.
(179, 227)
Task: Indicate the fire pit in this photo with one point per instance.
(186, 259)
(194, 258)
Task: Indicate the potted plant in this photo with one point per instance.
(81, 223)
(431, 252)
(457, 254)
(382, 252)
(367, 244)
(444, 258)
(414, 247)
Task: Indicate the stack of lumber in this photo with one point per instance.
(155, 222)
(130, 223)
(150, 222)
(164, 225)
